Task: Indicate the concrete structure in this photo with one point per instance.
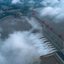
(54, 32)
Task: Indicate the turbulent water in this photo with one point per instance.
(24, 47)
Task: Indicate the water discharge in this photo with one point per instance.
(22, 48)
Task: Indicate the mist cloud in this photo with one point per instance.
(17, 49)
(56, 14)
(23, 48)
(15, 1)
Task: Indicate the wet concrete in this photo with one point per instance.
(50, 59)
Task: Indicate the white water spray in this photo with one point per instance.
(22, 48)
